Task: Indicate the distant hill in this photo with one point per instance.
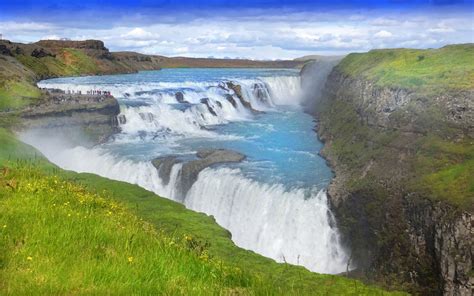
(316, 57)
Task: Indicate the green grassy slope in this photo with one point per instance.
(63, 232)
(16, 84)
(441, 168)
(446, 68)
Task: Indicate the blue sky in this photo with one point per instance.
(259, 29)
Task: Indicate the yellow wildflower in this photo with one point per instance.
(29, 258)
(5, 226)
(130, 259)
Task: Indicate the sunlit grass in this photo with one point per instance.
(446, 170)
(15, 94)
(57, 237)
(429, 70)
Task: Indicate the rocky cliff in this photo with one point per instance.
(93, 115)
(403, 159)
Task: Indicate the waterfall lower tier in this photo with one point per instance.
(292, 226)
(289, 226)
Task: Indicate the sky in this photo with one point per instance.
(259, 29)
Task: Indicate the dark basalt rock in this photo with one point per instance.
(121, 119)
(191, 168)
(180, 98)
(164, 165)
(231, 100)
(40, 53)
(4, 50)
(238, 92)
(205, 101)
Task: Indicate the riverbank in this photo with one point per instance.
(398, 126)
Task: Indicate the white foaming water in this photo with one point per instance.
(159, 115)
(284, 225)
(287, 225)
(284, 91)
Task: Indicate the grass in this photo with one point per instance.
(446, 169)
(17, 87)
(15, 94)
(68, 62)
(62, 219)
(49, 225)
(77, 62)
(447, 68)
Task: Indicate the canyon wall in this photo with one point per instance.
(402, 191)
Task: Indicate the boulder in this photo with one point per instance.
(205, 101)
(164, 165)
(180, 98)
(238, 92)
(191, 168)
(231, 100)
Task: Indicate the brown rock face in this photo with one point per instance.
(238, 93)
(84, 44)
(95, 114)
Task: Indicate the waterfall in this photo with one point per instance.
(287, 223)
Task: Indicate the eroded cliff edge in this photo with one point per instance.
(398, 127)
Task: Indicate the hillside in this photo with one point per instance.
(398, 129)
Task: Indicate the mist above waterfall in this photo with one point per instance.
(273, 202)
(313, 79)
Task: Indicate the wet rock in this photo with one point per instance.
(164, 165)
(238, 92)
(207, 158)
(95, 114)
(180, 98)
(231, 100)
(121, 119)
(191, 168)
(205, 101)
(147, 116)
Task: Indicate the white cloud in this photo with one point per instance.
(383, 34)
(138, 34)
(51, 37)
(268, 36)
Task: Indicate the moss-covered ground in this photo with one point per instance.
(430, 70)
